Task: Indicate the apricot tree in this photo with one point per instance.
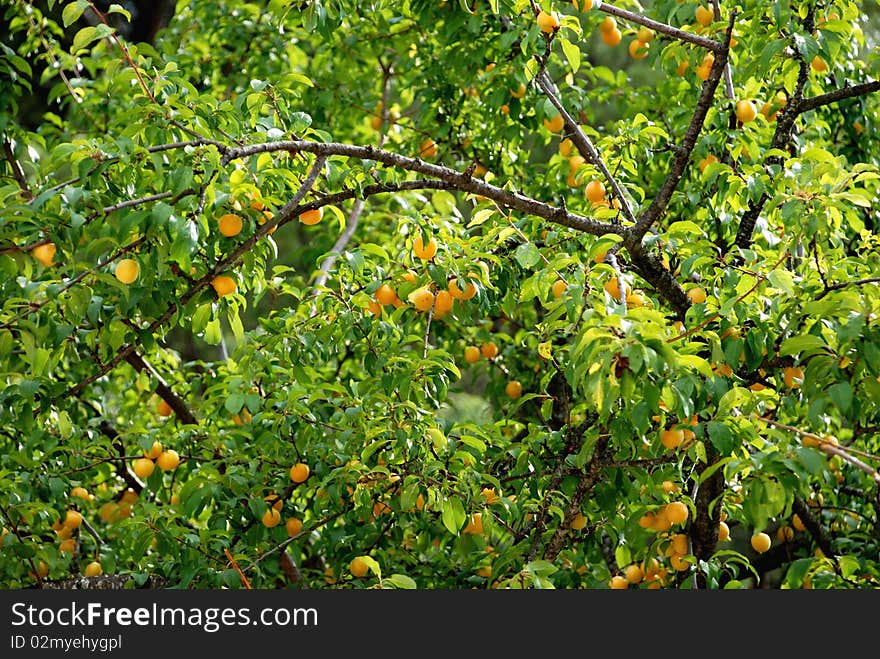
(475, 294)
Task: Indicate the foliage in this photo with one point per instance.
(749, 320)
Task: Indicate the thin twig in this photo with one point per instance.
(17, 170)
(234, 563)
(583, 144)
(714, 316)
(36, 306)
(843, 284)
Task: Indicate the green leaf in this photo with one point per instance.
(800, 344)
(842, 395)
(481, 216)
(83, 38)
(527, 255)
(213, 332)
(722, 438)
(783, 280)
(235, 324)
(452, 514)
(72, 12)
(731, 399)
(572, 54)
(401, 581)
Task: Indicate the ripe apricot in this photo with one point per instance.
(127, 270)
(472, 354)
(723, 531)
(618, 582)
(760, 542)
(612, 287)
(475, 524)
(704, 16)
(223, 285)
(633, 573)
(385, 295)
(163, 408)
(428, 148)
(293, 526)
(612, 37)
(443, 303)
(697, 295)
(645, 35)
(311, 217)
(705, 67)
(746, 111)
(93, 569)
(45, 254)
(672, 438)
(677, 512)
(168, 460)
(423, 251)
(708, 160)
(358, 567)
(489, 350)
(638, 49)
(73, 519)
(555, 123)
(271, 518)
(595, 191)
(422, 298)
(470, 290)
(793, 376)
(513, 389)
(608, 23)
(299, 472)
(143, 467)
(230, 224)
(558, 288)
(548, 21)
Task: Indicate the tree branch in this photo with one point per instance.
(17, 170)
(838, 95)
(585, 484)
(843, 284)
(657, 26)
(181, 409)
(583, 143)
(36, 306)
(683, 154)
(457, 180)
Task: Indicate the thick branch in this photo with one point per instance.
(838, 95)
(802, 510)
(704, 530)
(785, 124)
(652, 270)
(458, 180)
(683, 154)
(585, 484)
(181, 409)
